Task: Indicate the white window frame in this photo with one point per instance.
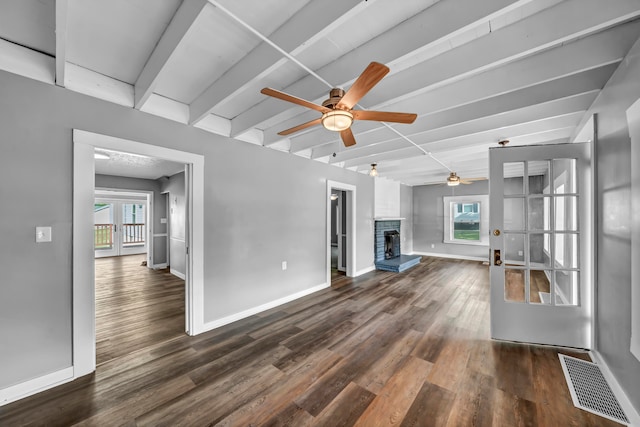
(448, 203)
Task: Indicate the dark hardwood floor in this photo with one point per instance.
(408, 349)
(135, 306)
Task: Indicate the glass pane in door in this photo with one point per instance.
(566, 288)
(514, 284)
(513, 178)
(540, 287)
(103, 228)
(133, 224)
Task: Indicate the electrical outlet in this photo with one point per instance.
(433, 246)
(284, 265)
(520, 253)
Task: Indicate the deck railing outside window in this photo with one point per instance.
(132, 234)
(103, 236)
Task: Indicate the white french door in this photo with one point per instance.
(119, 227)
(540, 237)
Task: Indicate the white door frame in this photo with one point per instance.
(351, 226)
(84, 331)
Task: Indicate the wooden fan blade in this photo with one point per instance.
(384, 116)
(470, 180)
(290, 98)
(300, 127)
(347, 137)
(363, 84)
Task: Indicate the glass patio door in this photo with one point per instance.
(119, 227)
(540, 235)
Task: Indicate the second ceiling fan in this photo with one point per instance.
(337, 111)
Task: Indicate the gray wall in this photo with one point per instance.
(126, 183)
(613, 326)
(428, 219)
(250, 228)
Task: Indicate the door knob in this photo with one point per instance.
(496, 257)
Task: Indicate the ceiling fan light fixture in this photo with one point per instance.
(453, 179)
(373, 171)
(337, 120)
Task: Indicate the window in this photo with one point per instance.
(466, 220)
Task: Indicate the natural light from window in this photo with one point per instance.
(466, 221)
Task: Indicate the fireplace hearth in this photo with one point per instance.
(388, 256)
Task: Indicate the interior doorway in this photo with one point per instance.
(341, 251)
(84, 306)
(338, 234)
(139, 298)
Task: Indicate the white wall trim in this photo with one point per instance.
(36, 385)
(617, 390)
(452, 256)
(159, 266)
(177, 274)
(365, 270)
(263, 307)
(160, 235)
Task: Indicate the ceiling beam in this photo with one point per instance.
(529, 114)
(597, 50)
(573, 19)
(466, 140)
(179, 27)
(62, 7)
(312, 22)
(585, 82)
(439, 22)
(463, 159)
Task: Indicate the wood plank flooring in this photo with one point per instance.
(386, 349)
(135, 306)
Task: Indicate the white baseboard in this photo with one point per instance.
(159, 266)
(178, 274)
(36, 385)
(627, 407)
(364, 271)
(452, 256)
(255, 310)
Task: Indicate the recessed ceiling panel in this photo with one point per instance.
(116, 37)
(29, 23)
(217, 42)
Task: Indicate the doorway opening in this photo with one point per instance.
(338, 234)
(84, 304)
(341, 251)
(139, 299)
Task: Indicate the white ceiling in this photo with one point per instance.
(474, 71)
(135, 165)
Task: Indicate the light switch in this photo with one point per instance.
(43, 234)
(163, 220)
